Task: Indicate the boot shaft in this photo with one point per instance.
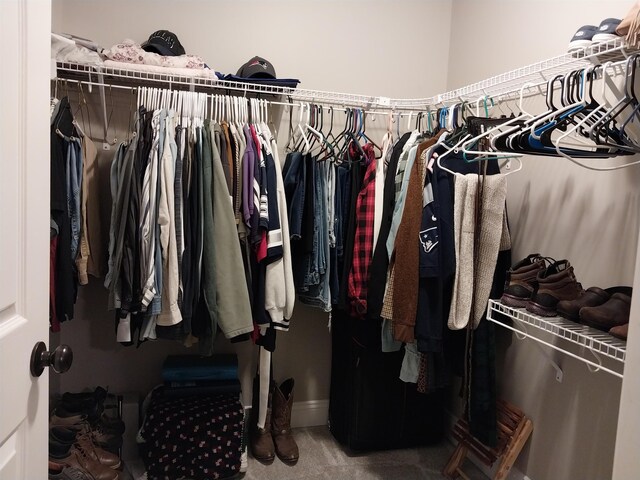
(282, 405)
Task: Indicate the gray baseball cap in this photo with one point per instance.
(257, 67)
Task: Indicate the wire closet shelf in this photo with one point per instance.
(594, 341)
(535, 76)
(133, 78)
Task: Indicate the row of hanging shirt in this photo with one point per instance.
(75, 245)
(196, 242)
(364, 218)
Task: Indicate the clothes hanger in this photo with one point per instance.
(603, 128)
(622, 149)
(363, 125)
(468, 140)
(340, 139)
(571, 114)
(301, 129)
(328, 148)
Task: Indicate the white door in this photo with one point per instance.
(25, 27)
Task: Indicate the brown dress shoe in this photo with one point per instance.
(108, 459)
(260, 440)
(591, 297)
(79, 459)
(521, 281)
(286, 446)
(557, 282)
(613, 313)
(620, 331)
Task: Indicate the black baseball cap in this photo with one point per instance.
(257, 67)
(165, 43)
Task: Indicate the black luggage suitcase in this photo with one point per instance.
(370, 407)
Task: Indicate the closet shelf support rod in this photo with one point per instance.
(550, 345)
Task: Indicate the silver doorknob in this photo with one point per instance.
(60, 359)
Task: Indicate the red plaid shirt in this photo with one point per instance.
(358, 280)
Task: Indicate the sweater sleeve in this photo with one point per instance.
(280, 305)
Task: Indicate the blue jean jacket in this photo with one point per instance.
(74, 182)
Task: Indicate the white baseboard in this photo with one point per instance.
(310, 413)
(514, 474)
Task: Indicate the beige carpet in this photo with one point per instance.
(322, 457)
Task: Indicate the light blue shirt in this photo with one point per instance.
(399, 206)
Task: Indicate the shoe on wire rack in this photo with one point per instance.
(591, 297)
(522, 280)
(555, 283)
(582, 38)
(607, 30)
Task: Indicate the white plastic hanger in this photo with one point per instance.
(467, 141)
(595, 113)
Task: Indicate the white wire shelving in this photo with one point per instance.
(131, 78)
(596, 345)
(535, 76)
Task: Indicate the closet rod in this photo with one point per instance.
(497, 87)
(396, 113)
(78, 71)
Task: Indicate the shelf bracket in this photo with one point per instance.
(523, 335)
(594, 369)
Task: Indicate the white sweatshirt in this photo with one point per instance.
(280, 292)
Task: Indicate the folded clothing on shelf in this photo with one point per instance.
(194, 368)
(274, 82)
(186, 389)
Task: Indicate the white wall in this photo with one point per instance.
(402, 49)
(372, 47)
(369, 47)
(563, 211)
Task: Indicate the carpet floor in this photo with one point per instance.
(322, 457)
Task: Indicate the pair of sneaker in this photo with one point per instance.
(588, 35)
(539, 283)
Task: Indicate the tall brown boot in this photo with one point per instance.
(260, 439)
(286, 446)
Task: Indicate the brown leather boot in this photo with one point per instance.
(260, 439)
(521, 281)
(286, 446)
(620, 332)
(557, 282)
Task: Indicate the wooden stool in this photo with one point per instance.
(514, 430)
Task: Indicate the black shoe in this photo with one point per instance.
(62, 435)
(99, 395)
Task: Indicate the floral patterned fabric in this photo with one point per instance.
(196, 438)
(130, 52)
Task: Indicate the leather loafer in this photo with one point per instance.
(620, 332)
(592, 297)
(613, 313)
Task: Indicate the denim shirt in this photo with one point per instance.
(74, 180)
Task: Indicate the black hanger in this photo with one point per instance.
(362, 133)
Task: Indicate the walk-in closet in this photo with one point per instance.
(319, 239)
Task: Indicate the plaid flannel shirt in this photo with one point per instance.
(363, 246)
